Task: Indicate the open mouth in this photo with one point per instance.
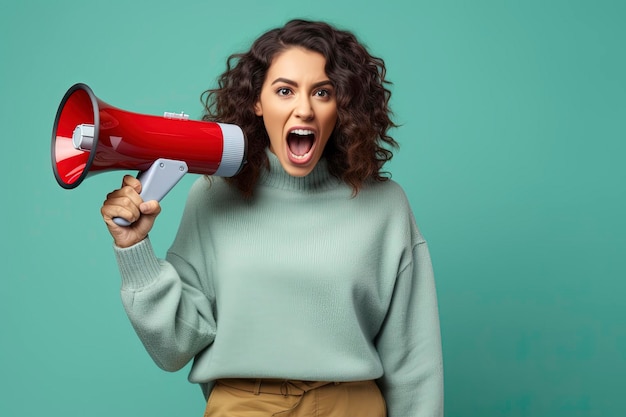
(300, 143)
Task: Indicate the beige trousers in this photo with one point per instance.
(286, 398)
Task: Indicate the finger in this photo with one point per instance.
(123, 203)
(125, 196)
(130, 181)
(128, 212)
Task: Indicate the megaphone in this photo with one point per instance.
(90, 136)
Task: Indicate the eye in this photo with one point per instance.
(283, 91)
(323, 93)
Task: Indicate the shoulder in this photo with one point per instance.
(391, 197)
(389, 193)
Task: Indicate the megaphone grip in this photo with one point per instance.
(157, 181)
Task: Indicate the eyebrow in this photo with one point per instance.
(295, 84)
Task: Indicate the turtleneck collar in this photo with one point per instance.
(317, 180)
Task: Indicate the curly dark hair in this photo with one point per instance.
(359, 145)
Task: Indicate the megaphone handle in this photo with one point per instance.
(157, 181)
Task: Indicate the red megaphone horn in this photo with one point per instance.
(90, 136)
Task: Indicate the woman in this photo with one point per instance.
(301, 286)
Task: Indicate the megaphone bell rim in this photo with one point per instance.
(96, 118)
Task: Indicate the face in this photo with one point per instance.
(299, 109)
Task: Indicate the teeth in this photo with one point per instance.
(302, 132)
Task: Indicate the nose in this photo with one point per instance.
(304, 109)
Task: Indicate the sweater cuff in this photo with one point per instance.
(138, 264)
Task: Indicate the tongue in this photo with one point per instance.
(300, 144)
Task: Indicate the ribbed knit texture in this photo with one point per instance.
(303, 281)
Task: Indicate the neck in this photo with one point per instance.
(317, 180)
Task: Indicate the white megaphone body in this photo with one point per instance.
(91, 136)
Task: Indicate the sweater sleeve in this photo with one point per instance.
(409, 343)
(171, 316)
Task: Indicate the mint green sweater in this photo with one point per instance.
(301, 282)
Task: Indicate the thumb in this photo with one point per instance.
(149, 211)
(150, 208)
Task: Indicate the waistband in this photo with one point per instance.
(283, 387)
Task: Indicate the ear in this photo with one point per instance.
(258, 109)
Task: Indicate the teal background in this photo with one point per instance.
(513, 139)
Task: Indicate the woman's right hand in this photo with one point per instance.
(128, 204)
